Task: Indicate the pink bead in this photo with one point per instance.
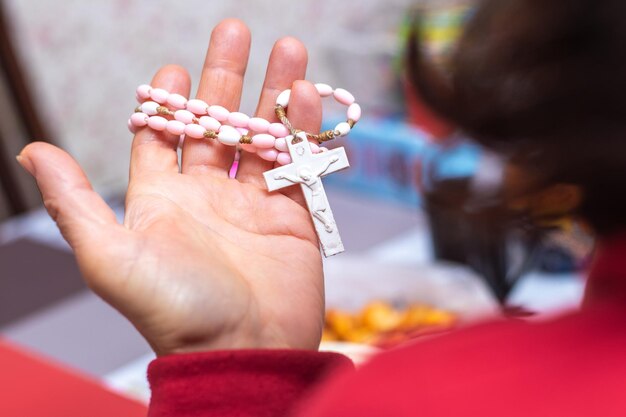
(139, 119)
(258, 125)
(184, 116)
(278, 130)
(324, 90)
(209, 123)
(238, 119)
(281, 145)
(248, 147)
(263, 141)
(343, 96)
(283, 98)
(159, 95)
(143, 91)
(315, 147)
(175, 127)
(157, 122)
(283, 158)
(195, 131)
(198, 107)
(218, 112)
(228, 135)
(268, 154)
(342, 129)
(354, 112)
(131, 127)
(177, 101)
(150, 108)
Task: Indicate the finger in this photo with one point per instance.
(221, 83)
(304, 113)
(305, 107)
(86, 222)
(79, 212)
(287, 64)
(152, 150)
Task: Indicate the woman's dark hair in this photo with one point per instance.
(545, 83)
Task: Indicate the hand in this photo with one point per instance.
(202, 261)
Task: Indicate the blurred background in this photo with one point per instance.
(428, 243)
(83, 60)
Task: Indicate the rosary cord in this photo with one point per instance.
(282, 116)
(321, 137)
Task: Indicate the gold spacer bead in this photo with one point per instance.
(209, 134)
(326, 136)
(164, 111)
(138, 109)
(280, 111)
(351, 123)
(245, 139)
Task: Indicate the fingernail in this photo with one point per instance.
(26, 164)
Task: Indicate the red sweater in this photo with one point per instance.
(571, 366)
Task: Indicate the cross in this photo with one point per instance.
(307, 169)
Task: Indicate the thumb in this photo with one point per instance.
(79, 212)
(84, 219)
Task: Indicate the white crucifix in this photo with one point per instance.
(307, 169)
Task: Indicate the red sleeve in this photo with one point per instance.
(236, 383)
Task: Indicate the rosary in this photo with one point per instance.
(299, 160)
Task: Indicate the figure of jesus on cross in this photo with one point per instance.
(307, 169)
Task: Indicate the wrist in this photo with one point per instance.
(238, 341)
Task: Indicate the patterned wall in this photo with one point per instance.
(84, 58)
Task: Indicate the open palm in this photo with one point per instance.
(202, 261)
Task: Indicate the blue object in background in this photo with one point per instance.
(555, 259)
(457, 159)
(392, 160)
